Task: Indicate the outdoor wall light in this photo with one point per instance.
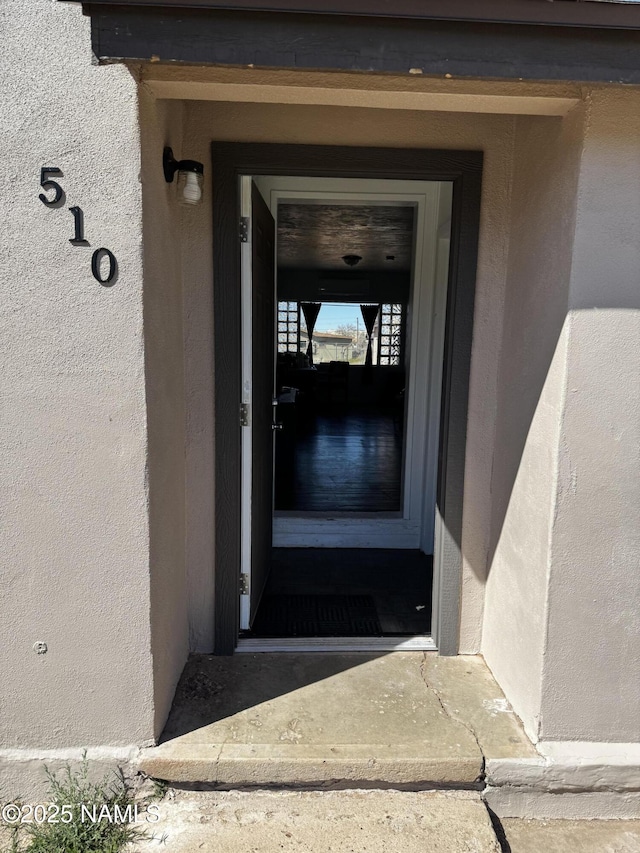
(351, 260)
(190, 177)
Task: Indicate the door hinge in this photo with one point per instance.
(244, 584)
(244, 229)
(244, 414)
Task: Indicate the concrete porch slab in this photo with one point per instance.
(403, 720)
(326, 822)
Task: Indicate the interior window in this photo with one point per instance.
(288, 326)
(339, 333)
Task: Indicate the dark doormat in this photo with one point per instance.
(317, 616)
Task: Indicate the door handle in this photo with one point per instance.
(277, 426)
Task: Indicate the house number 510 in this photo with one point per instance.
(106, 276)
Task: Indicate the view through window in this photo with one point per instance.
(339, 333)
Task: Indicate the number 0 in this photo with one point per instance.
(95, 266)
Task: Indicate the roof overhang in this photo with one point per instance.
(580, 41)
(608, 14)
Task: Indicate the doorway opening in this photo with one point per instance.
(353, 363)
(241, 534)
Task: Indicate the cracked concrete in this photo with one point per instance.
(470, 695)
(402, 720)
(425, 668)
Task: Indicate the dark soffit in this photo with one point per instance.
(576, 13)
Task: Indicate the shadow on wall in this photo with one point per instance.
(536, 314)
(536, 298)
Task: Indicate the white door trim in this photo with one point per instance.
(414, 527)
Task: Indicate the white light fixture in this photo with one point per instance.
(190, 177)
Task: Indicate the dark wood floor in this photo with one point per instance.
(341, 461)
(399, 581)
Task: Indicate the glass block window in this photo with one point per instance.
(391, 321)
(288, 326)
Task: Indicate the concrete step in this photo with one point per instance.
(323, 822)
(410, 721)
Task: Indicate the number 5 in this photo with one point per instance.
(47, 185)
(66, 814)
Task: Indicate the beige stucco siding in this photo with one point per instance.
(531, 380)
(591, 687)
(73, 440)
(108, 415)
(161, 124)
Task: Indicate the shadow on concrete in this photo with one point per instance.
(216, 688)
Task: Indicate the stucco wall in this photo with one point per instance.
(591, 684)
(561, 627)
(256, 122)
(529, 406)
(109, 562)
(197, 271)
(161, 124)
(73, 443)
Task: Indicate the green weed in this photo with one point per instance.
(82, 813)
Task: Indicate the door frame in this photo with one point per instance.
(464, 170)
(412, 526)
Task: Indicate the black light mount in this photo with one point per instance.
(351, 260)
(170, 165)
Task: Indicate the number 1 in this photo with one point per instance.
(78, 218)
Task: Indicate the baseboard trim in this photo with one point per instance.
(22, 771)
(573, 780)
(586, 805)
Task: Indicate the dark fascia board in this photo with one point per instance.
(373, 44)
(571, 13)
